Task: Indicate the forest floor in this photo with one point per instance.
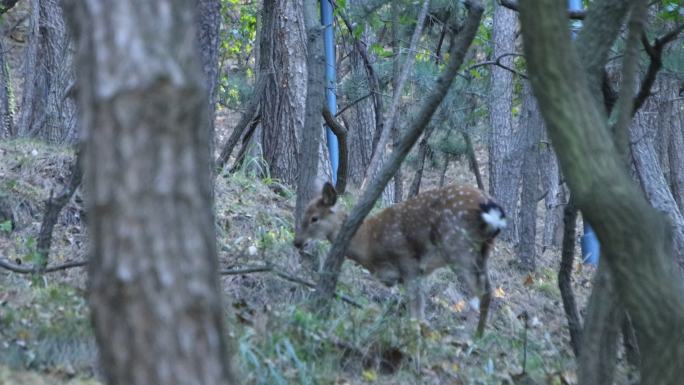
(45, 336)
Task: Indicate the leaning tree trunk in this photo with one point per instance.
(154, 291)
(504, 160)
(283, 49)
(635, 238)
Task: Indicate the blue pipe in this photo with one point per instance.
(591, 248)
(330, 75)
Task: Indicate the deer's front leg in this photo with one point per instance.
(416, 297)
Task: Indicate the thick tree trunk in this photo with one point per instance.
(283, 49)
(57, 65)
(154, 289)
(650, 172)
(628, 227)
(27, 123)
(532, 126)
(504, 156)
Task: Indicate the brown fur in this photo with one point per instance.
(411, 239)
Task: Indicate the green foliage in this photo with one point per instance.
(45, 327)
(236, 51)
(6, 226)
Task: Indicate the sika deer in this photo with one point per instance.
(453, 226)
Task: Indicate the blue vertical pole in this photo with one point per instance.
(591, 248)
(330, 97)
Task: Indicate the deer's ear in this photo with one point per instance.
(329, 195)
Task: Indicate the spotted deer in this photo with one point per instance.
(452, 226)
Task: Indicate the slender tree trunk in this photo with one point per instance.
(504, 157)
(361, 119)
(599, 337)
(423, 148)
(555, 194)
(532, 127)
(311, 135)
(208, 16)
(565, 277)
(283, 49)
(7, 128)
(153, 285)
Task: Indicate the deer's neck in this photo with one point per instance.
(358, 249)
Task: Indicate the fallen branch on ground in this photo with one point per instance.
(21, 269)
(285, 276)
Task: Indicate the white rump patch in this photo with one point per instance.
(494, 219)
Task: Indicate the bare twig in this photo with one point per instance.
(655, 53)
(513, 5)
(497, 62)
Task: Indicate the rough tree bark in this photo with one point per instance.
(311, 134)
(153, 283)
(283, 49)
(208, 20)
(31, 72)
(504, 157)
(531, 127)
(628, 227)
(7, 128)
(650, 173)
(459, 46)
(565, 277)
(364, 119)
(58, 77)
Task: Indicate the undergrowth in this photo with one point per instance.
(276, 338)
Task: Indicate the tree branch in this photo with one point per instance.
(655, 53)
(21, 269)
(513, 5)
(285, 276)
(341, 134)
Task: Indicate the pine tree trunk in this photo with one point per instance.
(532, 126)
(504, 157)
(153, 286)
(283, 49)
(7, 128)
(650, 172)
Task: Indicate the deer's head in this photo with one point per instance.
(321, 219)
